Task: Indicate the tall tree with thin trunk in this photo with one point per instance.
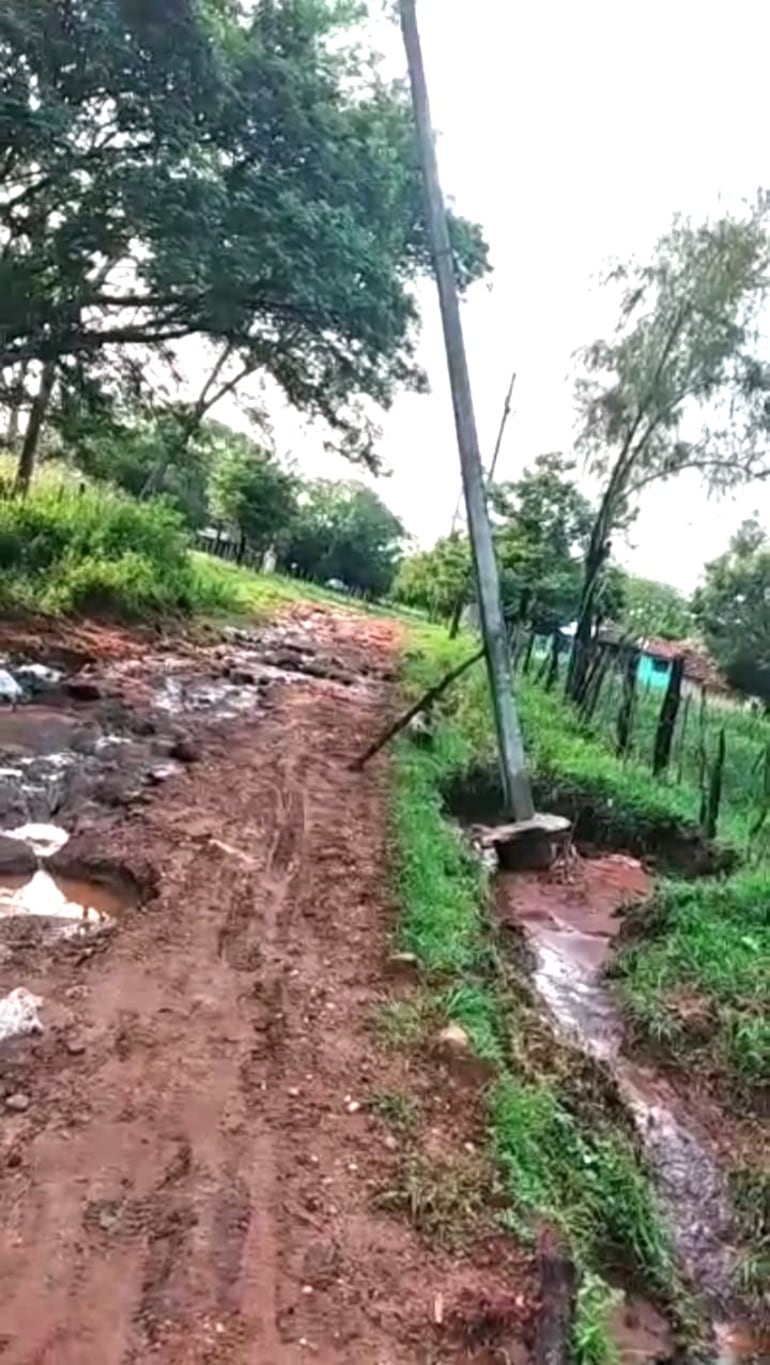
(37, 416)
(678, 386)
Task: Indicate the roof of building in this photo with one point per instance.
(699, 667)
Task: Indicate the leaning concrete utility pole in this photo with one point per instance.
(516, 788)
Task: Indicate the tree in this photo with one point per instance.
(252, 492)
(188, 168)
(541, 524)
(733, 610)
(127, 445)
(344, 531)
(678, 386)
(655, 610)
(434, 580)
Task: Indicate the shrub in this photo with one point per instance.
(72, 550)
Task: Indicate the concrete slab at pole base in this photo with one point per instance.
(526, 845)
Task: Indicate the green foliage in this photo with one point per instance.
(189, 169)
(588, 1183)
(554, 1163)
(732, 610)
(654, 610)
(344, 531)
(698, 982)
(72, 550)
(398, 1110)
(126, 450)
(434, 580)
(688, 325)
(252, 492)
(437, 882)
(473, 1005)
(652, 399)
(542, 523)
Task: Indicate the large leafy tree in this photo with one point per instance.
(678, 386)
(434, 580)
(194, 167)
(252, 492)
(733, 610)
(542, 523)
(344, 531)
(654, 609)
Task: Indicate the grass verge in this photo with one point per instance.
(697, 982)
(557, 1162)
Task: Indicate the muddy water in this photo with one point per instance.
(59, 898)
(571, 919)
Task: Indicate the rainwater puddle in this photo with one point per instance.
(570, 924)
(78, 903)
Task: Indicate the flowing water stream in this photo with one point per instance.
(571, 920)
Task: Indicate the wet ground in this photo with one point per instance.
(190, 1156)
(572, 916)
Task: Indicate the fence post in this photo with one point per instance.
(715, 788)
(628, 701)
(664, 734)
(683, 737)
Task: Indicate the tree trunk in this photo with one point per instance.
(627, 702)
(454, 622)
(553, 663)
(12, 431)
(26, 465)
(598, 551)
(595, 683)
(664, 734)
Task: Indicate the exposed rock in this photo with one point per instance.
(16, 858)
(454, 1043)
(17, 1103)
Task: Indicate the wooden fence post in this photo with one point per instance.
(664, 734)
(628, 701)
(715, 788)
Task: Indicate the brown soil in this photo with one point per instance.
(198, 1174)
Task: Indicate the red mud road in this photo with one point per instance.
(195, 1175)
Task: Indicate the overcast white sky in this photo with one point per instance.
(573, 132)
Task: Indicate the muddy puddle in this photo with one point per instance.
(76, 903)
(571, 918)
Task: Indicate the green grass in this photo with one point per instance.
(571, 768)
(698, 982)
(67, 551)
(399, 1111)
(750, 1189)
(555, 1163)
(71, 549)
(589, 1183)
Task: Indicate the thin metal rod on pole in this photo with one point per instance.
(517, 793)
(501, 432)
(495, 456)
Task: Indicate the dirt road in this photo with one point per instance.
(192, 1171)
